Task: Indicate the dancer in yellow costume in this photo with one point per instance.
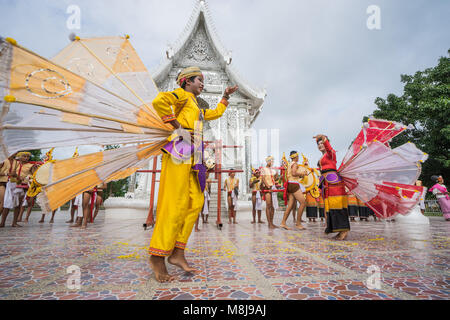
(231, 183)
(180, 196)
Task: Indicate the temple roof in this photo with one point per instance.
(201, 15)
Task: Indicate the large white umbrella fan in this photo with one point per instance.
(94, 92)
(381, 177)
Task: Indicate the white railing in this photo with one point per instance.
(432, 206)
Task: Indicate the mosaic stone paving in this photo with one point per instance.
(330, 290)
(379, 260)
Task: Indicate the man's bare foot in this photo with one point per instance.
(160, 270)
(16, 225)
(41, 221)
(2, 225)
(284, 226)
(83, 226)
(272, 226)
(178, 259)
(299, 227)
(253, 221)
(234, 222)
(69, 221)
(51, 221)
(342, 235)
(261, 221)
(197, 229)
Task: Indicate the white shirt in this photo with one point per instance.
(436, 191)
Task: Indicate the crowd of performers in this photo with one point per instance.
(184, 189)
(332, 202)
(19, 189)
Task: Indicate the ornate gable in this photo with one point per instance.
(199, 51)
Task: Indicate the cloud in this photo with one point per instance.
(322, 68)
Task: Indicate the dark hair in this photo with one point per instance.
(192, 79)
(434, 178)
(321, 139)
(293, 152)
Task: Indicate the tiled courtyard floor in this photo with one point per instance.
(242, 261)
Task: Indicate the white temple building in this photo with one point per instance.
(199, 45)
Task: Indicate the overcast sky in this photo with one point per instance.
(320, 64)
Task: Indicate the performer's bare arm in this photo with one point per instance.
(252, 183)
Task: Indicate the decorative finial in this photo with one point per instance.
(12, 41)
(169, 52)
(73, 37)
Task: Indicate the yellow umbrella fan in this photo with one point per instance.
(96, 91)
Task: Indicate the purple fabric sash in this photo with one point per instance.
(179, 149)
(331, 177)
(182, 151)
(200, 169)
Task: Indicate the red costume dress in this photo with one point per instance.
(334, 195)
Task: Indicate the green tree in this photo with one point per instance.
(116, 188)
(425, 103)
(36, 155)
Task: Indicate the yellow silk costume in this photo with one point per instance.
(180, 198)
(7, 166)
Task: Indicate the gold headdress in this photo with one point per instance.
(255, 171)
(23, 153)
(188, 73)
(49, 154)
(75, 154)
(305, 159)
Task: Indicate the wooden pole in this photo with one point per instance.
(219, 181)
(150, 219)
